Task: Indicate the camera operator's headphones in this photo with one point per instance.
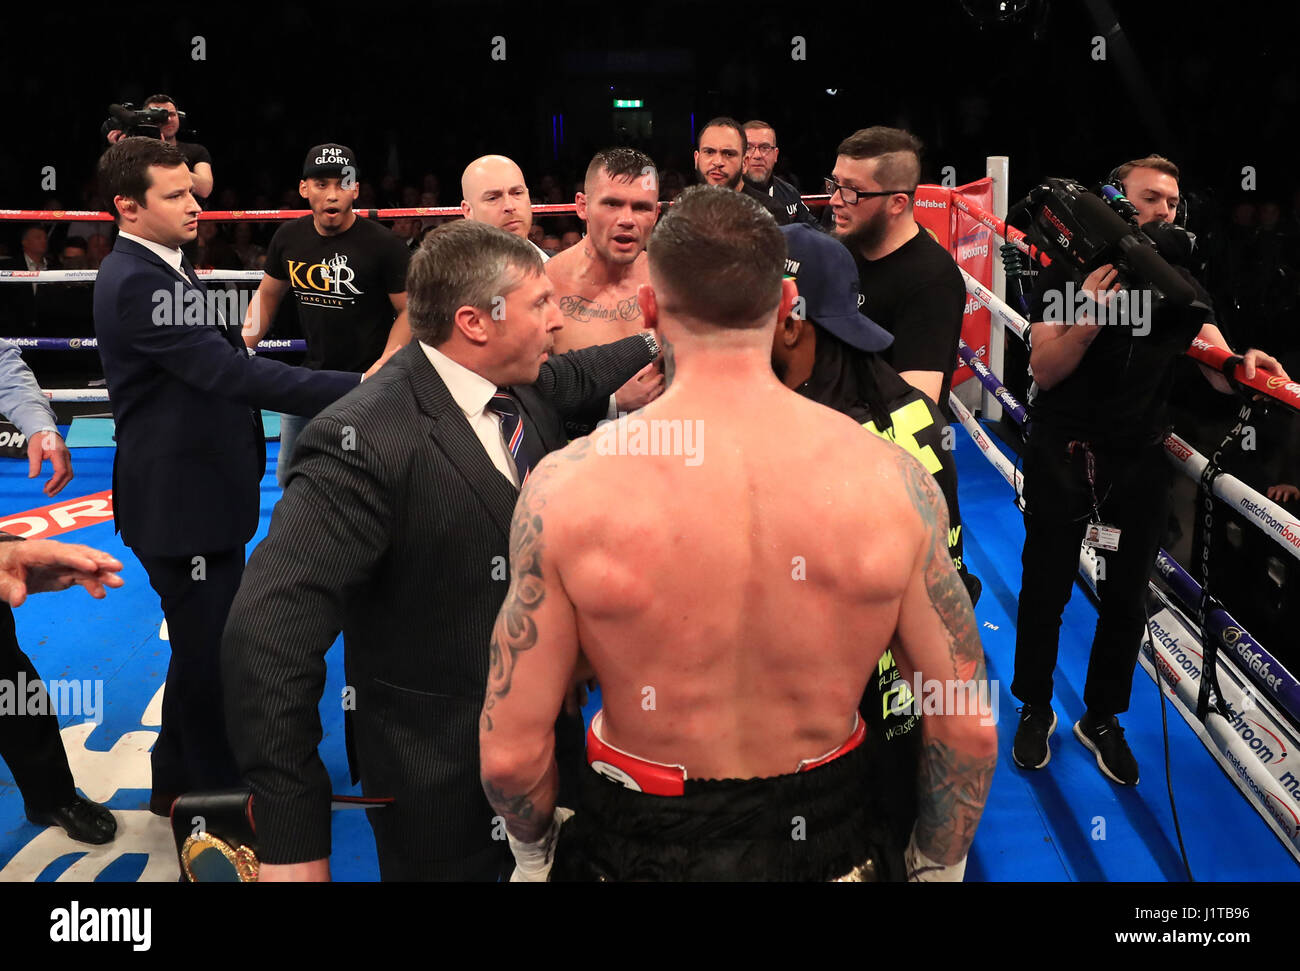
(1180, 214)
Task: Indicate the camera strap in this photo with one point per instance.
(1230, 445)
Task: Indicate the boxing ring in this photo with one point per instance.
(1236, 780)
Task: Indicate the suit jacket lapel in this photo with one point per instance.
(453, 435)
(190, 281)
(533, 425)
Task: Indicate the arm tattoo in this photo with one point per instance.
(516, 630)
(947, 593)
(518, 811)
(953, 787)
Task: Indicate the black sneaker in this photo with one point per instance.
(1105, 740)
(1031, 749)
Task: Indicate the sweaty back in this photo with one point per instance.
(734, 597)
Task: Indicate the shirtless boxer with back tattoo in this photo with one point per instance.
(732, 609)
(596, 281)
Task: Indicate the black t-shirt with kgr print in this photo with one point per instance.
(342, 285)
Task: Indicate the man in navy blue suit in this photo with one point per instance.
(190, 450)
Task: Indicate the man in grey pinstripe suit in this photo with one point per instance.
(394, 529)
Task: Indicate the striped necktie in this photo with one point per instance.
(512, 433)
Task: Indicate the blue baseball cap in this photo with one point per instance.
(828, 283)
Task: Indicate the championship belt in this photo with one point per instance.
(216, 838)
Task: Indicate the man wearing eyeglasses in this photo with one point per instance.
(721, 154)
(909, 283)
(760, 179)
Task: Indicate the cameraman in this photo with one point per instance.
(196, 156)
(1093, 456)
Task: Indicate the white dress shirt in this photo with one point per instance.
(172, 257)
(472, 392)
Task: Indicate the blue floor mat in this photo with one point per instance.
(1063, 823)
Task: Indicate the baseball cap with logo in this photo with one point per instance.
(329, 161)
(828, 283)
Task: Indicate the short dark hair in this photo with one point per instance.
(77, 241)
(725, 122)
(619, 163)
(757, 123)
(462, 263)
(1157, 162)
(124, 169)
(720, 257)
(159, 99)
(899, 153)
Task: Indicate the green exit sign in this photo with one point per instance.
(625, 103)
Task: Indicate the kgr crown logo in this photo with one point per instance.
(330, 278)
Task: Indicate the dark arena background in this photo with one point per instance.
(1068, 88)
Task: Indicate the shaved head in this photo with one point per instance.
(494, 192)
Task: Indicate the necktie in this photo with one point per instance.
(519, 444)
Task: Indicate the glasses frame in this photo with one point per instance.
(833, 187)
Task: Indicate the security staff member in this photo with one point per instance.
(778, 196)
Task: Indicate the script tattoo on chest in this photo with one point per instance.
(582, 309)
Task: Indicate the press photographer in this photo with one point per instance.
(1111, 315)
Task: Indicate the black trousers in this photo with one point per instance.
(192, 751)
(1132, 490)
(30, 744)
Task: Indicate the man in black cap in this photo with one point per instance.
(348, 274)
(830, 352)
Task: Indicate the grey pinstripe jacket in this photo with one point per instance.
(390, 524)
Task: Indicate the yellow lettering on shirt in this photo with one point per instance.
(913, 417)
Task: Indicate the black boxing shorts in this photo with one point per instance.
(810, 825)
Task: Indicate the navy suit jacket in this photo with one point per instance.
(186, 400)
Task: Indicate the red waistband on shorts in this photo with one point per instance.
(632, 771)
(663, 779)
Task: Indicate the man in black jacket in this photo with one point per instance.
(190, 448)
(761, 181)
(394, 528)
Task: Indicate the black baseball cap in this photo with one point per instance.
(329, 161)
(828, 283)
